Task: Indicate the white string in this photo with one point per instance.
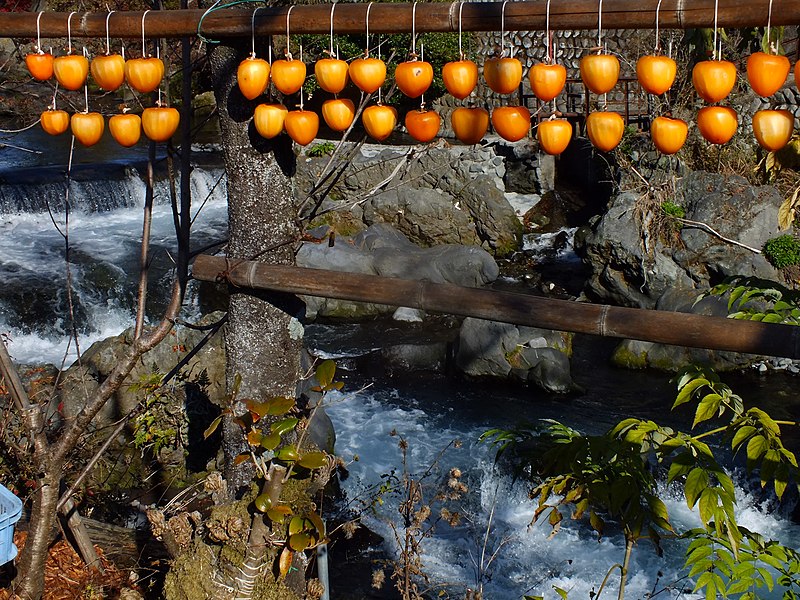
(460, 8)
(69, 32)
(600, 27)
(253, 31)
(422, 57)
(769, 23)
(547, 38)
(86, 97)
(414, 29)
(503, 30)
(108, 37)
(333, 8)
(269, 48)
(366, 51)
(38, 34)
(288, 46)
(144, 48)
(658, 40)
(714, 53)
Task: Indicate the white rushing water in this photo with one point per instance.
(528, 560)
(104, 262)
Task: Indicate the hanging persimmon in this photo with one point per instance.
(423, 125)
(55, 122)
(599, 72)
(656, 74)
(160, 122)
(338, 113)
(554, 135)
(302, 126)
(547, 81)
(767, 72)
(668, 134)
(379, 121)
(40, 65)
(288, 75)
(413, 77)
(717, 124)
(87, 127)
(773, 128)
(503, 75)
(368, 74)
(108, 71)
(512, 123)
(460, 77)
(331, 74)
(71, 71)
(252, 77)
(470, 124)
(714, 79)
(605, 130)
(269, 119)
(144, 74)
(125, 128)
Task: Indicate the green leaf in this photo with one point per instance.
(696, 482)
(741, 435)
(259, 408)
(279, 406)
(756, 447)
(313, 460)
(708, 504)
(707, 408)
(562, 593)
(287, 453)
(279, 512)
(299, 541)
(284, 426)
(296, 525)
(319, 524)
(270, 441)
(325, 373)
(686, 392)
(212, 428)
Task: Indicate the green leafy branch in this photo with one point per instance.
(755, 299)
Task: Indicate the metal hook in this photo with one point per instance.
(108, 36)
(253, 31)
(38, 34)
(69, 32)
(366, 51)
(144, 48)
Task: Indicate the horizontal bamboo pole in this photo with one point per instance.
(680, 329)
(393, 17)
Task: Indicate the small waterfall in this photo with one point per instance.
(104, 227)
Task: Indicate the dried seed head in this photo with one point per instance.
(378, 578)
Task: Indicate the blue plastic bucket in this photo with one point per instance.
(10, 512)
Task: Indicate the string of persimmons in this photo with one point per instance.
(713, 80)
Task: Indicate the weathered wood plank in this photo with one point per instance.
(680, 329)
(391, 17)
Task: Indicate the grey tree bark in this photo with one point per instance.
(263, 337)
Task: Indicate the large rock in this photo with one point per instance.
(440, 195)
(382, 250)
(632, 268)
(493, 349)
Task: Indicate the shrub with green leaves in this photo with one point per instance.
(611, 477)
(782, 251)
(673, 210)
(755, 299)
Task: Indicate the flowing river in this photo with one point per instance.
(493, 546)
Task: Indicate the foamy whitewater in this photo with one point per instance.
(104, 264)
(527, 560)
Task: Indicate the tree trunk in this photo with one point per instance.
(33, 557)
(263, 338)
